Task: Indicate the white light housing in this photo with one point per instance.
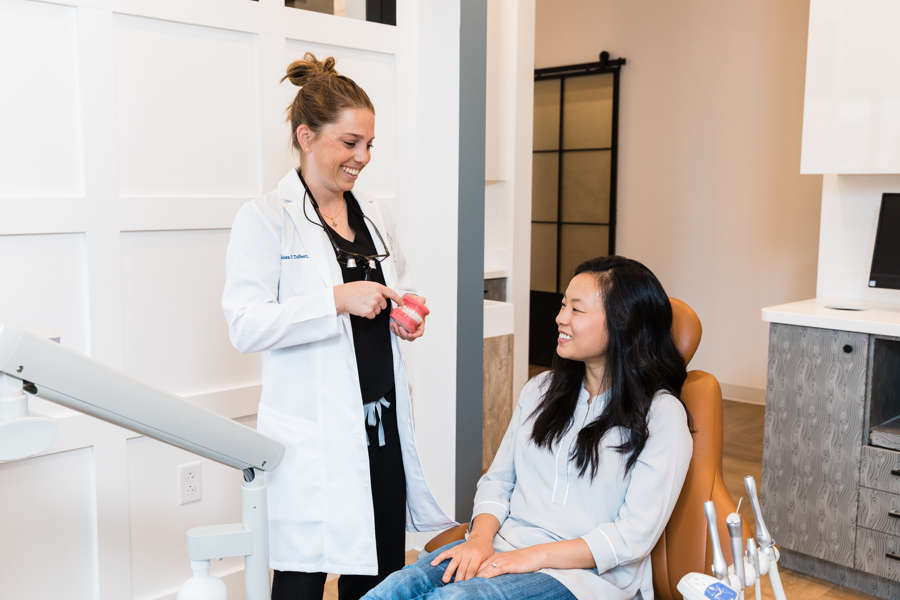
(71, 379)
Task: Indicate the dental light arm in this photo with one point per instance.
(55, 373)
(78, 382)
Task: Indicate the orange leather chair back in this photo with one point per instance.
(684, 546)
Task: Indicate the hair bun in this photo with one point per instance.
(301, 72)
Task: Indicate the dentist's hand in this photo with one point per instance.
(363, 298)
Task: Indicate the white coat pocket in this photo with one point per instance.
(298, 276)
(296, 487)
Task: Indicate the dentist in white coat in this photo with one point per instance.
(311, 274)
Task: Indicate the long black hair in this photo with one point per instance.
(641, 359)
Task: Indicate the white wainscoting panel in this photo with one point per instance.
(187, 109)
(175, 333)
(49, 527)
(47, 275)
(41, 152)
(375, 73)
(158, 523)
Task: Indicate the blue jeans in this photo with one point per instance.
(422, 581)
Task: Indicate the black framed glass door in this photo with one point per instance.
(573, 216)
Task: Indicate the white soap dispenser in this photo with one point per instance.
(202, 586)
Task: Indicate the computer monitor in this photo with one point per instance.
(885, 272)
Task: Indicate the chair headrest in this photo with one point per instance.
(686, 329)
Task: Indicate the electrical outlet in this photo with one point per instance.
(190, 482)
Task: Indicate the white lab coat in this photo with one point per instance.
(278, 300)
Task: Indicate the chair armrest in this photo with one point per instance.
(445, 537)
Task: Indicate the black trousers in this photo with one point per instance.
(389, 503)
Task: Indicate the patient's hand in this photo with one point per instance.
(524, 560)
(465, 558)
(565, 554)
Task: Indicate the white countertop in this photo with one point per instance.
(498, 318)
(825, 314)
(493, 272)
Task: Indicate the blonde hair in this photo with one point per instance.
(323, 94)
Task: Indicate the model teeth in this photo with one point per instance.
(353, 172)
(412, 314)
(564, 336)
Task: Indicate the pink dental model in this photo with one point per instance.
(410, 314)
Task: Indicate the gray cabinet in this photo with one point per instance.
(815, 404)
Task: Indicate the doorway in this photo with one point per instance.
(573, 201)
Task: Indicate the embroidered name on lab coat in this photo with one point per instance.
(293, 256)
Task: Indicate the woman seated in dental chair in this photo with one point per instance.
(591, 465)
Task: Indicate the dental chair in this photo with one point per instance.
(684, 546)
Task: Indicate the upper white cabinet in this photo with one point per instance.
(851, 115)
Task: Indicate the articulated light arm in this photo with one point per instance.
(71, 379)
(37, 366)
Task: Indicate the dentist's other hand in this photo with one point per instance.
(363, 298)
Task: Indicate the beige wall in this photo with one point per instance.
(709, 195)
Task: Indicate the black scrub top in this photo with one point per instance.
(371, 337)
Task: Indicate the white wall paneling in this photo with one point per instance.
(31, 261)
(157, 520)
(178, 341)
(427, 105)
(39, 105)
(49, 524)
(135, 131)
(178, 213)
(42, 215)
(508, 158)
(187, 108)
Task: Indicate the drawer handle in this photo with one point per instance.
(892, 556)
(894, 514)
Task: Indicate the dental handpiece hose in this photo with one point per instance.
(766, 543)
(753, 559)
(774, 577)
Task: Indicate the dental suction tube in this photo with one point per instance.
(719, 566)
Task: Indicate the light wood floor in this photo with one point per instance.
(742, 455)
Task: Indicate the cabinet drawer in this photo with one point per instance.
(879, 511)
(880, 469)
(878, 553)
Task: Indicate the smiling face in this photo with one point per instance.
(333, 157)
(581, 321)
